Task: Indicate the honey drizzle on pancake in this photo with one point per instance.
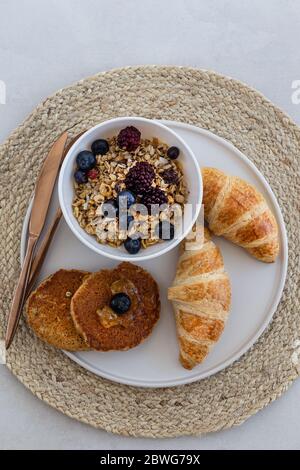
(108, 317)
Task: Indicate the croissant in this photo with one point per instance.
(235, 209)
(201, 297)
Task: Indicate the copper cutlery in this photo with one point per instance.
(42, 197)
(42, 250)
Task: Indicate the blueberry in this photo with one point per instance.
(80, 177)
(173, 153)
(133, 245)
(125, 220)
(125, 196)
(120, 303)
(85, 160)
(100, 147)
(110, 208)
(130, 219)
(165, 230)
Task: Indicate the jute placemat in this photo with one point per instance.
(260, 130)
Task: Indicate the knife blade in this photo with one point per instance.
(41, 201)
(41, 251)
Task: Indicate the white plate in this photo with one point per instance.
(256, 287)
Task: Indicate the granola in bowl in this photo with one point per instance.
(129, 190)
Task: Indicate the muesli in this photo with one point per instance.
(119, 185)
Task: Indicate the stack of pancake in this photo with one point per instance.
(70, 309)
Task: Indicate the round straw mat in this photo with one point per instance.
(260, 130)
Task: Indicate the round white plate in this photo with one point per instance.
(256, 287)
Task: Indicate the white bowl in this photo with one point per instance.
(148, 129)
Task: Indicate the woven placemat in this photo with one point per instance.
(260, 130)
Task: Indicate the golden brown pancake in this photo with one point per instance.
(103, 329)
(48, 310)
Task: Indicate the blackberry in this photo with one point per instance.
(129, 138)
(170, 176)
(154, 196)
(140, 177)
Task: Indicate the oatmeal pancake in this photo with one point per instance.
(102, 328)
(48, 310)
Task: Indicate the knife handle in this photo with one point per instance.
(19, 293)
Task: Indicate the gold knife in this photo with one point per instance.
(42, 250)
(42, 196)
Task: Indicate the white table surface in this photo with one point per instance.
(48, 45)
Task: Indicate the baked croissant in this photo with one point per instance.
(201, 297)
(235, 209)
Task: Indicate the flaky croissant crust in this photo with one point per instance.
(236, 210)
(201, 296)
